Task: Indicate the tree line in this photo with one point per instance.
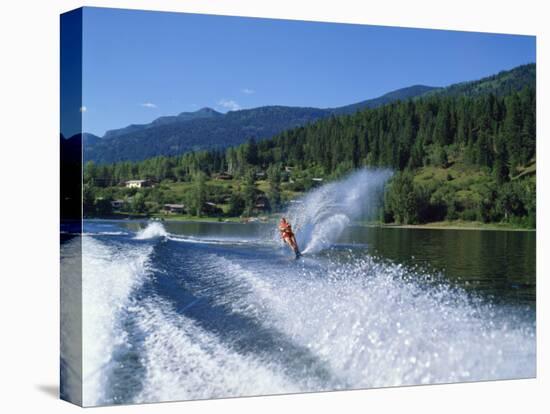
(491, 134)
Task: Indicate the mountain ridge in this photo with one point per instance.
(205, 128)
(209, 129)
(205, 112)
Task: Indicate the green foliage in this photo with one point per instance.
(196, 197)
(103, 206)
(457, 193)
(503, 83)
(400, 201)
(137, 204)
(236, 204)
(474, 146)
(274, 192)
(206, 133)
(251, 152)
(88, 199)
(249, 193)
(516, 202)
(207, 129)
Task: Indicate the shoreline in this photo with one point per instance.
(439, 225)
(445, 225)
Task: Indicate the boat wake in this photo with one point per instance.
(378, 324)
(152, 231)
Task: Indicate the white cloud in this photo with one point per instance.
(248, 91)
(229, 104)
(148, 105)
(83, 108)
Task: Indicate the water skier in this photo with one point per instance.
(288, 236)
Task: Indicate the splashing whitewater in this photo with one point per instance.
(320, 216)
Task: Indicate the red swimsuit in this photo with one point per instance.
(286, 231)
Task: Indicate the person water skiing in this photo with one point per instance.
(288, 236)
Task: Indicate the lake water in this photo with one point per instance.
(178, 310)
(500, 264)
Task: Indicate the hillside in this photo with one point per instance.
(208, 129)
(90, 139)
(173, 138)
(400, 94)
(203, 113)
(456, 157)
(500, 84)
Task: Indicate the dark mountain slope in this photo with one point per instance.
(398, 95)
(164, 120)
(208, 129)
(503, 83)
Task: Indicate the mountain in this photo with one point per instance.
(208, 129)
(164, 120)
(503, 83)
(90, 139)
(398, 95)
(173, 138)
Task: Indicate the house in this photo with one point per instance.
(211, 209)
(174, 208)
(261, 205)
(224, 176)
(117, 204)
(288, 169)
(137, 183)
(260, 175)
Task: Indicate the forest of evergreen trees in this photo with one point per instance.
(491, 137)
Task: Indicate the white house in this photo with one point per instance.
(137, 183)
(174, 208)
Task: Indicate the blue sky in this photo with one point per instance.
(139, 65)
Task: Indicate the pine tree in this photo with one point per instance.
(274, 192)
(512, 130)
(249, 192)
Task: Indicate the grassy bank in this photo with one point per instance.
(450, 225)
(204, 219)
(272, 218)
(457, 196)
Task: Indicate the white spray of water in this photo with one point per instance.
(152, 231)
(378, 324)
(109, 276)
(105, 233)
(183, 361)
(321, 215)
